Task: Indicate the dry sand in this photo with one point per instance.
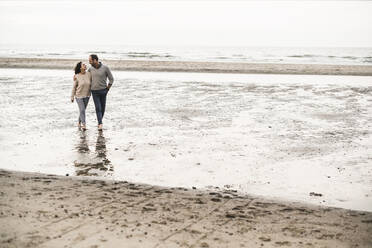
(39, 210)
(189, 66)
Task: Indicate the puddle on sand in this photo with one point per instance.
(273, 135)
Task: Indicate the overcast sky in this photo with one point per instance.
(214, 23)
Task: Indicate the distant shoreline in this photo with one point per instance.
(191, 66)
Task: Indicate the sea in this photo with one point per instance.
(285, 55)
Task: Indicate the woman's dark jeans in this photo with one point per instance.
(99, 98)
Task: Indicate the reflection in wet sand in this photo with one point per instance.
(82, 147)
(88, 164)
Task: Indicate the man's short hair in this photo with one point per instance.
(94, 57)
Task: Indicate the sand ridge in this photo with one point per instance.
(39, 210)
(192, 66)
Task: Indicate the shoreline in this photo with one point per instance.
(190, 66)
(40, 210)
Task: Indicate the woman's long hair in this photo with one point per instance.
(78, 68)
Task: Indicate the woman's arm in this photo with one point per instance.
(73, 92)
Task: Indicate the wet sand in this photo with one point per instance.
(279, 136)
(189, 66)
(39, 210)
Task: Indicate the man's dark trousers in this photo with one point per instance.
(99, 98)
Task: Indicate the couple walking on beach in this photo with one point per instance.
(93, 81)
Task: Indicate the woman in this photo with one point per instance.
(81, 91)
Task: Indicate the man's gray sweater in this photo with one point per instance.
(99, 77)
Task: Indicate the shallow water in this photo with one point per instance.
(273, 135)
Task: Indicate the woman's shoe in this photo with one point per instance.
(100, 127)
(79, 124)
(83, 127)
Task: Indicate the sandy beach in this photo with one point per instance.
(225, 148)
(189, 66)
(39, 210)
(209, 124)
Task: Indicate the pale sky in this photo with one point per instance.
(206, 23)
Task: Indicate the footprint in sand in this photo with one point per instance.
(265, 239)
(283, 243)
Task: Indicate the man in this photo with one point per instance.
(99, 87)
